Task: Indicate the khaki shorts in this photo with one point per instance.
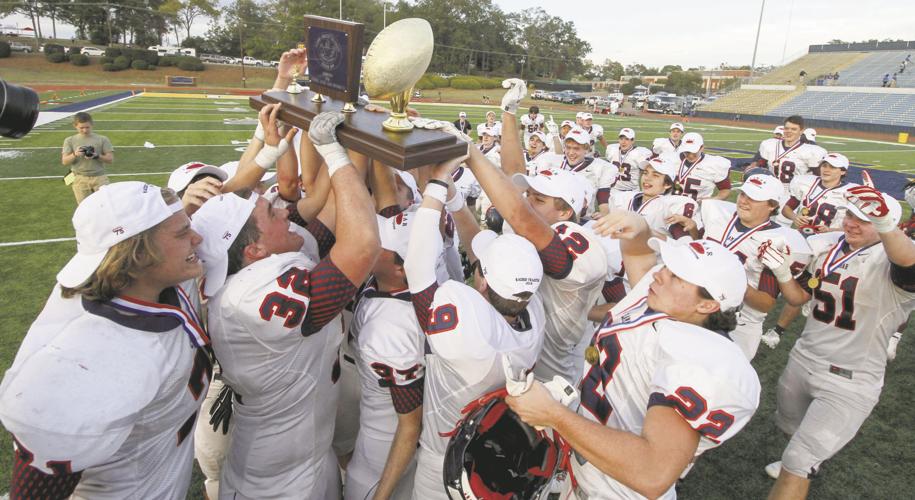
(84, 185)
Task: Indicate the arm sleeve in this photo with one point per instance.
(68, 147)
(768, 283)
(330, 291)
(557, 262)
(614, 290)
(106, 145)
(793, 202)
(423, 250)
(323, 236)
(391, 211)
(903, 277)
(724, 184)
(29, 482)
(407, 398)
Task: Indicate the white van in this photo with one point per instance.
(165, 51)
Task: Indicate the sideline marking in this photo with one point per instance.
(61, 177)
(35, 242)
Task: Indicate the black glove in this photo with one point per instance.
(221, 411)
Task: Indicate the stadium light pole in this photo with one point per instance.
(756, 44)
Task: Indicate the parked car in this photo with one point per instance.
(538, 94)
(572, 98)
(20, 47)
(92, 51)
(251, 61)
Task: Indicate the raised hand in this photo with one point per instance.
(517, 89)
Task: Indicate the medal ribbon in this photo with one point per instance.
(642, 207)
(681, 176)
(809, 202)
(833, 261)
(780, 156)
(732, 224)
(642, 320)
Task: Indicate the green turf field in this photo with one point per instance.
(877, 464)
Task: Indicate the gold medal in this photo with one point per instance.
(813, 283)
(592, 355)
(805, 211)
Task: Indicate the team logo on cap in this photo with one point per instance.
(697, 247)
(118, 230)
(227, 236)
(755, 180)
(547, 173)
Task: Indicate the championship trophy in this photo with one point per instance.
(294, 87)
(335, 66)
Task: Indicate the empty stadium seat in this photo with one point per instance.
(861, 107)
(869, 71)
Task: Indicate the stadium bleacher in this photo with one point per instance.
(859, 107)
(815, 64)
(869, 71)
(750, 102)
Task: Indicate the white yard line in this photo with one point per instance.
(132, 147)
(61, 177)
(35, 242)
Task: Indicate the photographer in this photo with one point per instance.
(86, 153)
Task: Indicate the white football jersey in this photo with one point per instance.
(722, 225)
(647, 359)
(826, 206)
(855, 310)
(663, 145)
(785, 162)
(568, 300)
(600, 173)
(656, 210)
(531, 125)
(699, 180)
(110, 389)
(630, 165)
(465, 362)
(496, 128)
(466, 183)
(286, 381)
(390, 352)
(596, 132)
(546, 161)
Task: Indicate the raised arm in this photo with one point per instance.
(512, 153)
(633, 232)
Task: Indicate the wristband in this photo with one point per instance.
(456, 203)
(259, 132)
(436, 191)
(439, 182)
(783, 274)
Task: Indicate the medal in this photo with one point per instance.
(805, 211)
(813, 283)
(592, 355)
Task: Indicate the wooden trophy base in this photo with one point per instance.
(362, 131)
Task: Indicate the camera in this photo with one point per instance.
(89, 151)
(18, 110)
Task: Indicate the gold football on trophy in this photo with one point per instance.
(396, 60)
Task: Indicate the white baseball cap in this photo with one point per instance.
(678, 126)
(627, 133)
(779, 130)
(183, 175)
(487, 131)
(410, 182)
(509, 263)
(218, 221)
(706, 264)
(578, 135)
(586, 116)
(567, 123)
(580, 115)
(761, 187)
(462, 115)
(810, 134)
(891, 203)
(107, 217)
(910, 195)
(557, 183)
(691, 143)
(664, 165)
(837, 160)
(395, 232)
(540, 135)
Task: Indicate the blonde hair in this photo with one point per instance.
(123, 264)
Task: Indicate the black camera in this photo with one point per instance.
(18, 110)
(89, 151)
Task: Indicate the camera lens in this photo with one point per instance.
(18, 110)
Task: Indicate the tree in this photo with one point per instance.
(610, 70)
(683, 82)
(629, 87)
(184, 12)
(836, 41)
(667, 69)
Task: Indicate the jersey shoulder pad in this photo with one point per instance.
(800, 184)
(767, 146)
(597, 130)
(716, 212)
(820, 243)
(621, 199)
(389, 333)
(641, 154)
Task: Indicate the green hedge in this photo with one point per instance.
(437, 80)
(79, 60)
(106, 60)
(139, 64)
(168, 61)
(74, 50)
(109, 67)
(424, 84)
(489, 83)
(52, 48)
(190, 64)
(4, 49)
(465, 83)
(56, 57)
(112, 52)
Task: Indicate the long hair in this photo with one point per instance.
(124, 263)
(720, 321)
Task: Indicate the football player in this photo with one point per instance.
(789, 156)
(532, 122)
(271, 311)
(596, 132)
(664, 383)
(669, 145)
(102, 397)
(701, 174)
(391, 370)
(861, 285)
(742, 228)
(817, 204)
(671, 215)
(629, 159)
(492, 124)
(536, 146)
(601, 174)
(470, 332)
